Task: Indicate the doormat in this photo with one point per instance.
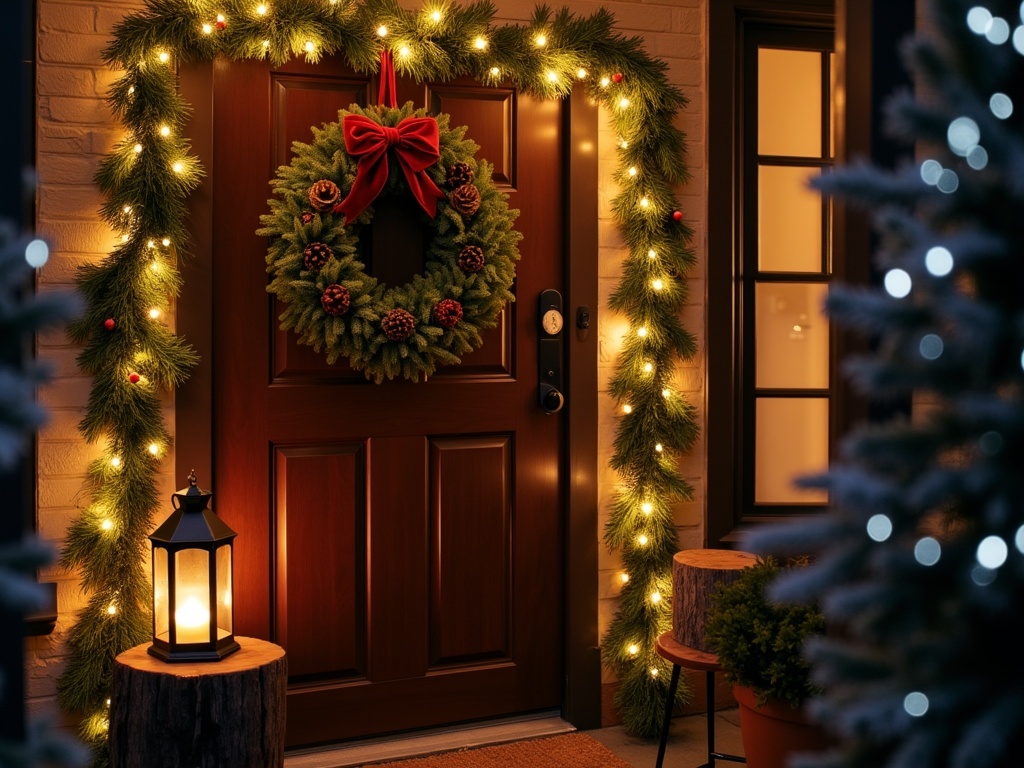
(573, 750)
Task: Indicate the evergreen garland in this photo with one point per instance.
(133, 357)
(478, 290)
(921, 557)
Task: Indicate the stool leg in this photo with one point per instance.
(669, 705)
(711, 719)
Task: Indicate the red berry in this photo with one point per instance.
(110, 323)
(677, 215)
(134, 377)
(221, 24)
(617, 77)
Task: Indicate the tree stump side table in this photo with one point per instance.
(199, 715)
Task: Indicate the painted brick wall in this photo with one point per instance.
(75, 130)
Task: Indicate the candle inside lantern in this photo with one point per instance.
(192, 621)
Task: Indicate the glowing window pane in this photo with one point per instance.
(789, 85)
(788, 220)
(192, 596)
(791, 335)
(792, 440)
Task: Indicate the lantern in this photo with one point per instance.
(192, 610)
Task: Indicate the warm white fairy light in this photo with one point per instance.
(154, 449)
(627, 408)
(404, 51)
(165, 242)
(624, 144)
(495, 71)
(137, 148)
(605, 82)
(220, 18)
(654, 671)
(207, 29)
(642, 540)
(151, 244)
(154, 265)
(111, 609)
(131, 90)
(623, 102)
(666, 393)
(657, 283)
(124, 238)
(632, 170)
(624, 577)
(115, 461)
(658, 447)
(552, 76)
(165, 131)
(178, 167)
(641, 332)
(652, 254)
(648, 367)
(382, 31)
(645, 203)
(107, 524)
(655, 597)
(164, 57)
(154, 313)
(480, 44)
(126, 209)
(647, 507)
(435, 16)
(633, 649)
(266, 44)
(581, 73)
(261, 9)
(310, 46)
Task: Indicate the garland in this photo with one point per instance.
(133, 358)
(334, 305)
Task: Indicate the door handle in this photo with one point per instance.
(549, 351)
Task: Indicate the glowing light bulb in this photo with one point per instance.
(659, 447)
(261, 9)
(552, 76)
(624, 577)
(207, 29)
(627, 408)
(164, 57)
(652, 254)
(623, 102)
(654, 671)
(137, 148)
(644, 202)
(541, 40)
(115, 461)
(641, 332)
(165, 130)
(480, 44)
(633, 650)
(624, 144)
(178, 167)
(310, 46)
(155, 266)
(435, 16)
(111, 609)
(655, 597)
(581, 73)
(632, 170)
(154, 449)
(657, 284)
(131, 90)
(642, 540)
(647, 507)
(150, 244)
(106, 525)
(165, 242)
(605, 82)
(495, 71)
(108, 702)
(126, 209)
(220, 18)
(648, 367)
(266, 44)
(124, 238)
(154, 313)
(404, 51)
(382, 31)
(666, 393)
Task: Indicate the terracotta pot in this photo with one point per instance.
(774, 731)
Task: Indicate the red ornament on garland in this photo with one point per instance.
(677, 215)
(448, 312)
(133, 377)
(110, 323)
(221, 24)
(617, 77)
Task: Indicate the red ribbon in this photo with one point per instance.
(414, 143)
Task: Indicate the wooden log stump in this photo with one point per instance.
(696, 574)
(199, 715)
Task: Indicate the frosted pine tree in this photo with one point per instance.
(920, 565)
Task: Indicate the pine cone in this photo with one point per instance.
(324, 195)
(315, 255)
(465, 199)
(335, 299)
(448, 312)
(460, 174)
(398, 324)
(471, 259)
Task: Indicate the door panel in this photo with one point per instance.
(403, 541)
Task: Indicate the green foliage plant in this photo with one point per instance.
(759, 641)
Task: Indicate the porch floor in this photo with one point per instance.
(687, 744)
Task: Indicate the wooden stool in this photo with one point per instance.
(691, 658)
(201, 715)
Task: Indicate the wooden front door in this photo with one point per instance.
(402, 541)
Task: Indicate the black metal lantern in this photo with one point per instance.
(192, 560)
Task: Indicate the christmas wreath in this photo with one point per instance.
(325, 197)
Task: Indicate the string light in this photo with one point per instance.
(106, 525)
(648, 367)
(642, 540)
(654, 671)
(632, 170)
(165, 242)
(480, 44)
(154, 265)
(623, 102)
(624, 144)
(666, 393)
(261, 9)
(404, 51)
(137, 148)
(126, 209)
(382, 31)
(435, 15)
(633, 649)
(541, 40)
(624, 577)
(495, 71)
(115, 461)
(641, 332)
(605, 82)
(111, 609)
(266, 44)
(652, 254)
(644, 202)
(309, 46)
(221, 20)
(581, 73)
(657, 284)
(164, 57)
(178, 167)
(207, 29)
(659, 447)
(647, 507)
(165, 130)
(150, 244)
(154, 449)
(655, 597)
(627, 408)
(552, 76)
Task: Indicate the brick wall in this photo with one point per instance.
(75, 130)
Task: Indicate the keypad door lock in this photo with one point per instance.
(549, 351)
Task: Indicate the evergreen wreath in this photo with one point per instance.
(334, 305)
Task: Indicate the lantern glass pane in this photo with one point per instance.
(224, 591)
(161, 604)
(192, 596)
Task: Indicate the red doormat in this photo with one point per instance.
(573, 750)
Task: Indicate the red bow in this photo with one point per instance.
(414, 141)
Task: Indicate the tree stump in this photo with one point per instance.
(696, 574)
(199, 715)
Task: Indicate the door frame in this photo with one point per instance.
(581, 694)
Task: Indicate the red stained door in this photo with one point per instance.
(402, 541)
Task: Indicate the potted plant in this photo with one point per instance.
(759, 644)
